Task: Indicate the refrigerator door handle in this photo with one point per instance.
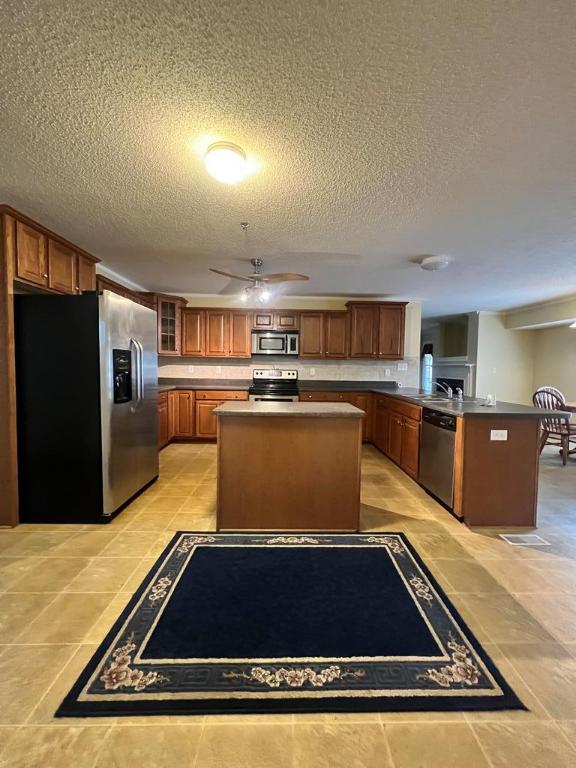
(139, 371)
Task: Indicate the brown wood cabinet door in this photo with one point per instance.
(240, 329)
(206, 421)
(169, 327)
(86, 274)
(172, 413)
(381, 428)
(184, 414)
(336, 334)
(410, 447)
(217, 333)
(287, 320)
(163, 438)
(193, 323)
(31, 257)
(391, 331)
(363, 331)
(395, 437)
(62, 264)
(263, 320)
(311, 334)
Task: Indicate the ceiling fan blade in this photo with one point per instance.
(232, 275)
(283, 277)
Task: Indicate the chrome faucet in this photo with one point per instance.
(459, 394)
(444, 387)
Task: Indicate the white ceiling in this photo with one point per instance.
(383, 129)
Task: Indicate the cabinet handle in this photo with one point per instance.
(45, 274)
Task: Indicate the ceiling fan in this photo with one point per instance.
(257, 278)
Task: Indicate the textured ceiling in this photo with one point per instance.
(383, 129)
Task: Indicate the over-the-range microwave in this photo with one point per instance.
(274, 343)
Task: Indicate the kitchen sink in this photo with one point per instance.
(435, 399)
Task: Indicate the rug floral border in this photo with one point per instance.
(121, 679)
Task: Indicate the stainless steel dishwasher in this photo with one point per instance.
(437, 455)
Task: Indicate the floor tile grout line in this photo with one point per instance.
(525, 682)
(482, 749)
(53, 683)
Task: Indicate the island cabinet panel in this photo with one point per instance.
(31, 255)
(193, 335)
(364, 319)
(410, 452)
(336, 334)
(163, 432)
(86, 274)
(364, 402)
(217, 333)
(240, 339)
(395, 437)
(311, 334)
(391, 320)
(184, 414)
(62, 268)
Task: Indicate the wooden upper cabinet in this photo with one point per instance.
(391, 321)
(336, 334)
(193, 332)
(31, 255)
(217, 333)
(364, 330)
(240, 333)
(311, 334)
(62, 268)
(86, 274)
(263, 321)
(287, 320)
(169, 313)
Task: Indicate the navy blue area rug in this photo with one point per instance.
(288, 623)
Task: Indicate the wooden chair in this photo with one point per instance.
(555, 430)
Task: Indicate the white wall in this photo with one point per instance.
(505, 360)
(555, 359)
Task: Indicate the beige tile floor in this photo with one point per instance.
(61, 588)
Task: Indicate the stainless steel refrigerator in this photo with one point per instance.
(86, 372)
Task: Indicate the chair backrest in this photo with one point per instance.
(551, 399)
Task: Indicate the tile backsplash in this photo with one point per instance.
(327, 370)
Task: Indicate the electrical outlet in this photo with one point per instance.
(190, 369)
(402, 366)
(498, 434)
(312, 371)
(386, 372)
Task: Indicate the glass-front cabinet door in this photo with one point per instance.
(169, 325)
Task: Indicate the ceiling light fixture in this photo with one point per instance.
(226, 162)
(434, 263)
(573, 324)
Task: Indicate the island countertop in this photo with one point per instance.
(310, 410)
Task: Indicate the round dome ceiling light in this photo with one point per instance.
(435, 263)
(226, 162)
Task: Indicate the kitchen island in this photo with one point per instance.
(289, 466)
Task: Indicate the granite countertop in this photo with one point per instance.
(469, 406)
(244, 408)
(165, 385)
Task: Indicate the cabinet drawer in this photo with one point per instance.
(224, 394)
(405, 409)
(319, 397)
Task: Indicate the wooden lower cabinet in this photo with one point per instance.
(362, 400)
(380, 427)
(163, 420)
(206, 421)
(410, 454)
(395, 437)
(183, 414)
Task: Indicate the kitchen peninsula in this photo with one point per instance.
(289, 466)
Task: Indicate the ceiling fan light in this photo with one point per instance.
(226, 162)
(573, 324)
